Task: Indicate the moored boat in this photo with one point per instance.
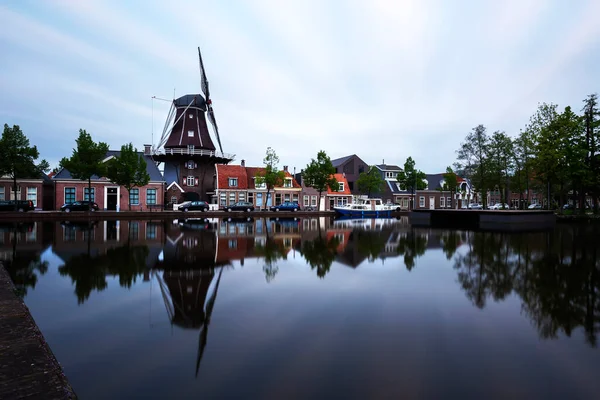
(368, 207)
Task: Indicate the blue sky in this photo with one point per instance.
(381, 79)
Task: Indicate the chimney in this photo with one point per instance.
(147, 149)
(285, 168)
(243, 163)
(383, 161)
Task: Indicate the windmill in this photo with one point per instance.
(186, 147)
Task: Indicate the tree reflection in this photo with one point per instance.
(370, 244)
(319, 253)
(411, 246)
(271, 251)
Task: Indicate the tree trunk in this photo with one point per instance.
(129, 198)
(267, 199)
(15, 191)
(319, 202)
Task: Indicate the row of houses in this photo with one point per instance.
(231, 183)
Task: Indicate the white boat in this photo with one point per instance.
(366, 207)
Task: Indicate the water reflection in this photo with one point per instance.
(554, 274)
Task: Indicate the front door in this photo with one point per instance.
(111, 198)
(331, 204)
(432, 203)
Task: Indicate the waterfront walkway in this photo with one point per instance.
(28, 369)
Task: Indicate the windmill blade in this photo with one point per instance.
(204, 80)
(204, 330)
(213, 121)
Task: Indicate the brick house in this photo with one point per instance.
(392, 191)
(435, 196)
(330, 198)
(235, 183)
(352, 166)
(106, 194)
(39, 189)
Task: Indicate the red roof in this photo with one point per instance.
(341, 179)
(245, 176)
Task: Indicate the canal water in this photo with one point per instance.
(312, 308)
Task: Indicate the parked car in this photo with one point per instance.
(287, 206)
(240, 206)
(475, 206)
(534, 207)
(83, 205)
(498, 206)
(194, 206)
(21, 206)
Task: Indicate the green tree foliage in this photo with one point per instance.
(472, 156)
(18, 158)
(591, 121)
(319, 174)
(320, 253)
(411, 178)
(128, 169)
(412, 246)
(451, 184)
(500, 163)
(86, 160)
(524, 151)
(370, 182)
(271, 176)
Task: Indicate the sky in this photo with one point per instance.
(381, 79)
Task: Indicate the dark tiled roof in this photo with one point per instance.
(339, 161)
(151, 168)
(386, 167)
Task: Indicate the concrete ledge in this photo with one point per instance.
(28, 369)
(489, 220)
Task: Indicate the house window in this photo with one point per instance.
(233, 182)
(389, 174)
(442, 202)
(174, 200)
(134, 230)
(190, 149)
(341, 186)
(277, 199)
(306, 201)
(150, 196)
(313, 201)
(342, 201)
(12, 193)
(32, 195)
(262, 185)
(190, 133)
(421, 201)
(190, 181)
(295, 197)
(2, 193)
(231, 198)
(86, 195)
(69, 234)
(287, 183)
(134, 197)
(251, 197)
(223, 199)
(449, 202)
(69, 195)
(242, 196)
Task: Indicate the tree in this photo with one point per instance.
(370, 182)
(270, 176)
(17, 158)
(128, 169)
(86, 160)
(319, 174)
(524, 150)
(451, 183)
(472, 155)
(591, 118)
(501, 163)
(411, 178)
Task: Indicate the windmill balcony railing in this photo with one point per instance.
(194, 152)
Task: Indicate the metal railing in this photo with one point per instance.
(194, 152)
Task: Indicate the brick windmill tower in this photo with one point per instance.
(187, 149)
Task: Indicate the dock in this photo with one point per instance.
(28, 369)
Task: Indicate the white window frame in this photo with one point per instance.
(12, 193)
(313, 201)
(2, 193)
(421, 201)
(306, 201)
(191, 116)
(287, 183)
(442, 202)
(191, 133)
(65, 193)
(30, 197)
(92, 196)
(190, 179)
(448, 201)
(155, 196)
(233, 182)
(341, 186)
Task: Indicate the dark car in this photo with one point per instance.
(240, 206)
(21, 206)
(287, 206)
(83, 205)
(194, 206)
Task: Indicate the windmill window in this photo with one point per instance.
(191, 164)
(191, 116)
(190, 181)
(190, 133)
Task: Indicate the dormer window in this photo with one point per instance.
(233, 182)
(190, 149)
(190, 133)
(341, 186)
(287, 183)
(390, 175)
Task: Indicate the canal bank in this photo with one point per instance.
(28, 368)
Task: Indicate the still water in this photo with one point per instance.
(312, 308)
